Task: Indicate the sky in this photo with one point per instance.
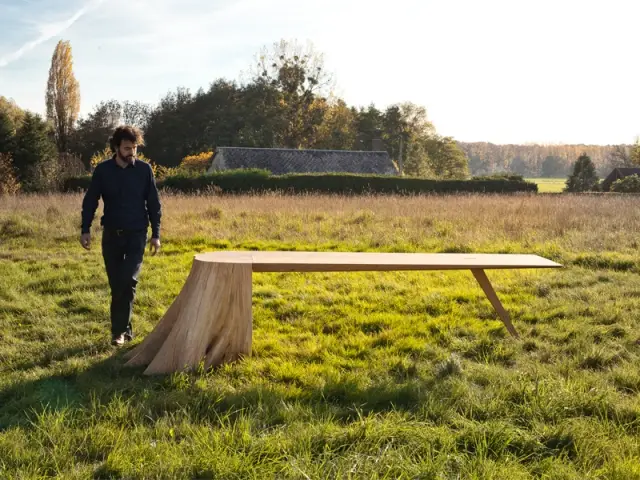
(500, 71)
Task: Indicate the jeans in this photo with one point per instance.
(123, 252)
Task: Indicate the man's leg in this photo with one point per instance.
(113, 253)
(130, 270)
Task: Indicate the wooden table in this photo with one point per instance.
(210, 320)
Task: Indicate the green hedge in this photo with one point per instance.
(245, 181)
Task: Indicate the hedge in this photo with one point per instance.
(247, 181)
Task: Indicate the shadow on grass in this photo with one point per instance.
(108, 393)
(149, 398)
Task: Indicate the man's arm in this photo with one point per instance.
(90, 201)
(154, 208)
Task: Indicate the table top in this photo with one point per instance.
(284, 261)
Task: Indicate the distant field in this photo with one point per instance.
(549, 185)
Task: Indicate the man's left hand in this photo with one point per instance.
(154, 246)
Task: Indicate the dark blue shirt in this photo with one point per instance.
(129, 194)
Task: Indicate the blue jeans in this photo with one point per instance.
(123, 252)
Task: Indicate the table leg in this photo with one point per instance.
(484, 282)
(210, 321)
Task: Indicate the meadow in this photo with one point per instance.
(369, 375)
(549, 185)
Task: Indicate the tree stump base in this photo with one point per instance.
(210, 321)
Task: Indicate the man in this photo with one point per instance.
(131, 201)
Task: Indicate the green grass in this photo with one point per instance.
(353, 375)
(549, 185)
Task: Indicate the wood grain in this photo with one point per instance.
(210, 322)
(278, 261)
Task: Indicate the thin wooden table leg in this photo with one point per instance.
(484, 282)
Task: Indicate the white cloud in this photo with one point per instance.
(48, 31)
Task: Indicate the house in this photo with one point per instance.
(617, 174)
(280, 161)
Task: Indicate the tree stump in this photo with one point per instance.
(210, 321)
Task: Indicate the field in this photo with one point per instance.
(396, 375)
(549, 185)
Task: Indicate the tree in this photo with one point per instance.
(15, 113)
(34, 148)
(369, 125)
(293, 69)
(63, 95)
(170, 128)
(92, 133)
(8, 181)
(338, 128)
(620, 156)
(448, 161)
(417, 162)
(135, 113)
(584, 177)
(518, 165)
(7, 133)
(299, 74)
(634, 156)
(263, 114)
(553, 166)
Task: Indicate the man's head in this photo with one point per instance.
(125, 142)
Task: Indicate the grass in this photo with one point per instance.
(353, 375)
(549, 185)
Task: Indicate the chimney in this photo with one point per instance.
(377, 145)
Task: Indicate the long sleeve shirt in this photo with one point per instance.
(129, 194)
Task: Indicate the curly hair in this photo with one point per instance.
(126, 132)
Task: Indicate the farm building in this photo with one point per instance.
(280, 161)
(617, 174)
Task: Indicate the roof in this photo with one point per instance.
(620, 172)
(626, 171)
(284, 160)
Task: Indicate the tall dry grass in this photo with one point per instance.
(459, 222)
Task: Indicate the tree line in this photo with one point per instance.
(287, 102)
(551, 161)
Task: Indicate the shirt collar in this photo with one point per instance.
(131, 165)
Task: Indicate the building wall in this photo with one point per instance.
(218, 162)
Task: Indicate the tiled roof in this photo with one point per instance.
(281, 160)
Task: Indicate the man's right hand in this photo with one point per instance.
(85, 240)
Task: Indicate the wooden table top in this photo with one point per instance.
(283, 261)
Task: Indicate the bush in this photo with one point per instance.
(198, 163)
(9, 184)
(244, 181)
(230, 181)
(159, 171)
(76, 184)
(248, 181)
(99, 157)
(630, 184)
(255, 181)
(503, 176)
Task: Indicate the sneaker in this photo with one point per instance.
(117, 340)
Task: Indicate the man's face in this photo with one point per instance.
(127, 151)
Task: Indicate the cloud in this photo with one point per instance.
(48, 31)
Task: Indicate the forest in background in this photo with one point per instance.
(286, 102)
(550, 161)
